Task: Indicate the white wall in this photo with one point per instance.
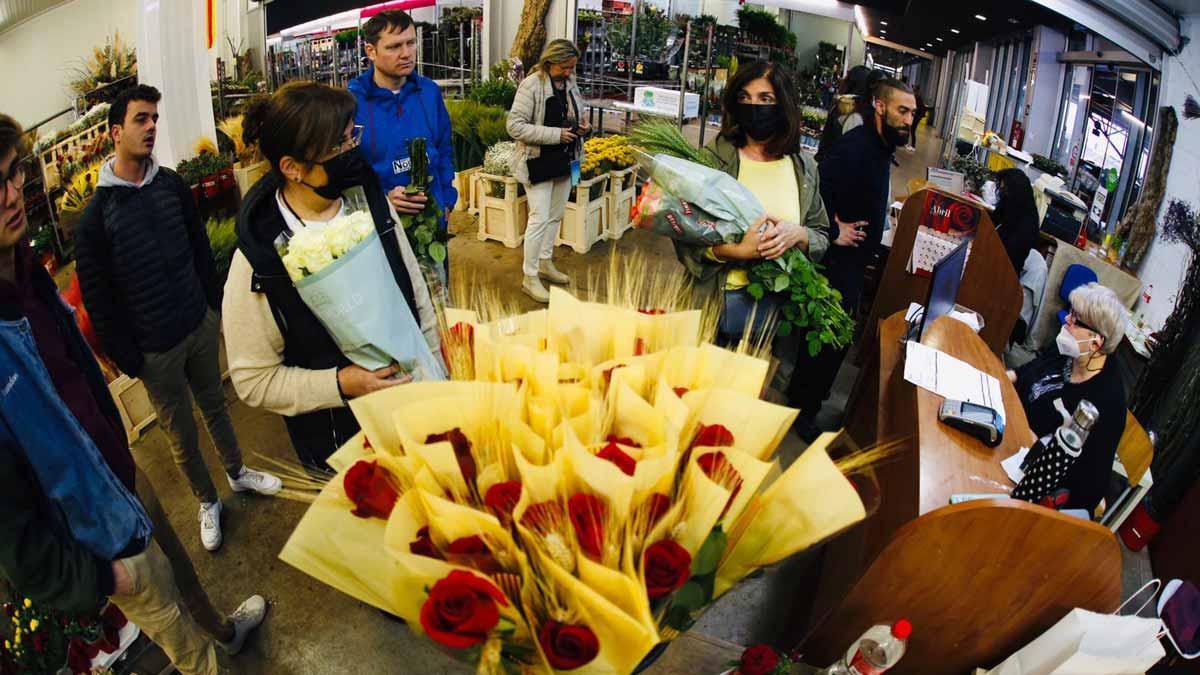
(1041, 104)
(1166, 264)
(36, 56)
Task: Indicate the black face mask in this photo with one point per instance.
(760, 122)
(342, 173)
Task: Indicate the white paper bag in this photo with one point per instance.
(1087, 643)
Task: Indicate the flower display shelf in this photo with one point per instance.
(464, 182)
(68, 145)
(622, 191)
(501, 218)
(586, 217)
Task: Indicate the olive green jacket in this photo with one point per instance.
(709, 275)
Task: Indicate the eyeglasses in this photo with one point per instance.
(16, 177)
(1074, 320)
(350, 142)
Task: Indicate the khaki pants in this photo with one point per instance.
(171, 378)
(167, 601)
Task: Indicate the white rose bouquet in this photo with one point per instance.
(341, 272)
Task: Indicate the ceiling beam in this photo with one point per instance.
(898, 47)
(1134, 27)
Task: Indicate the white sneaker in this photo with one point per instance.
(250, 480)
(550, 273)
(210, 525)
(533, 288)
(245, 618)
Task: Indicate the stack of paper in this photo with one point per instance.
(952, 378)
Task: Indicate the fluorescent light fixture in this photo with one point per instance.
(882, 23)
(861, 19)
(981, 17)
(954, 30)
(928, 45)
(940, 40)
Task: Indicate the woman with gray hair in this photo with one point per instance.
(547, 123)
(1052, 385)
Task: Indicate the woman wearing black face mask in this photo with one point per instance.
(280, 356)
(759, 145)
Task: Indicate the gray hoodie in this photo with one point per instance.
(109, 178)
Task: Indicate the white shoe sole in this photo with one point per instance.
(561, 281)
(544, 301)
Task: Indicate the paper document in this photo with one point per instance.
(952, 378)
(1012, 465)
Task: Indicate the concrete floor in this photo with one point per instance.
(314, 629)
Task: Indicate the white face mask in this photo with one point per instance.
(1068, 345)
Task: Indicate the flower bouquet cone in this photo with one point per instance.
(758, 426)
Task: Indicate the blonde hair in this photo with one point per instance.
(556, 52)
(1099, 307)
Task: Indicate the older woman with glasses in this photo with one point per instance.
(280, 355)
(1051, 386)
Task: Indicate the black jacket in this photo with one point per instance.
(855, 180)
(307, 344)
(145, 268)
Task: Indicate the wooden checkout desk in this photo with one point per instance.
(979, 579)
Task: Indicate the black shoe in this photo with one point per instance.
(806, 427)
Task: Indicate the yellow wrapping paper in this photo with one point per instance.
(539, 483)
(671, 406)
(636, 419)
(624, 641)
(811, 501)
(752, 471)
(624, 326)
(620, 588)
(704, 500)
(533, 324)
(758, 427)
(374, 412)
(349, 453)
(455, 316)
(730, 370)
(544, 374)
(590, 474)
(581, 332)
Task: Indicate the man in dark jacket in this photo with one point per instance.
(78, 520)
(395, 105)
(855, 184)
(146, 271)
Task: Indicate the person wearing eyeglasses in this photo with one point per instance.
(146, 271)
(1051, 386)
(281, 357)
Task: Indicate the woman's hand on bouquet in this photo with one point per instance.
(406, 204)
(780, 237)
(747, 248)
(849, 234)
(355, 381)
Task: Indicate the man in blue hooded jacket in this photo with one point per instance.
(396, 105)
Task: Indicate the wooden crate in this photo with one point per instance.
(247, 176)
(501, 218)
(622, 190)
(133, 402)
(586, 217)
(464, 182)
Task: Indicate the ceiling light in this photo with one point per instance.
(940, 40)
(981, 17)
(928, 45)
(954, 30)
(882, 23)
(1013, 21)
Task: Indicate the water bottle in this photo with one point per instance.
(875, 652)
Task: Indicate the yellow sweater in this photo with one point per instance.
(774, 183)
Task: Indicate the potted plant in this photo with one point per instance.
(43, 248)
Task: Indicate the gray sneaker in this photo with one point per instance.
(250, 480)
(550, 273)
(245, 618)
(533, 288)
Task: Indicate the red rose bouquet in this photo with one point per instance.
(602, 479)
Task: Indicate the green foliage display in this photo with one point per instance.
(474, 127)
(975, 173)
(498, 91)
(652, 31)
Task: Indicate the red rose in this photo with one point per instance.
(652, 312)
(461, 610)
(475, 552)
(369, 486)
(568, 646)
(461, 336)
(77, 657)
(424, 545)
(714, 436)
(667, 566)
(608, 375)
(462, 451)
(624, 462)
(587, 515)
(758, 660)
(366, 443)
(680, 391)
(720, 471)
(656, 506)
(543, 517)
(639, 347)
(502, 498)
(623, 440)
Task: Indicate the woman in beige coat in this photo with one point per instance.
(548, 124)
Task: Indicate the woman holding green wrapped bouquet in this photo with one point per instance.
(759, 145)
(282, 357)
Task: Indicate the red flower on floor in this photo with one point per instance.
(587, 516)
(624, 462)
(461, 610)
(502, 498)
(667, 566)
(720, 471)
(462, 451)
(370, 487)
(758, 660)
(568, 646)
(423, 545)
(713, 436)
